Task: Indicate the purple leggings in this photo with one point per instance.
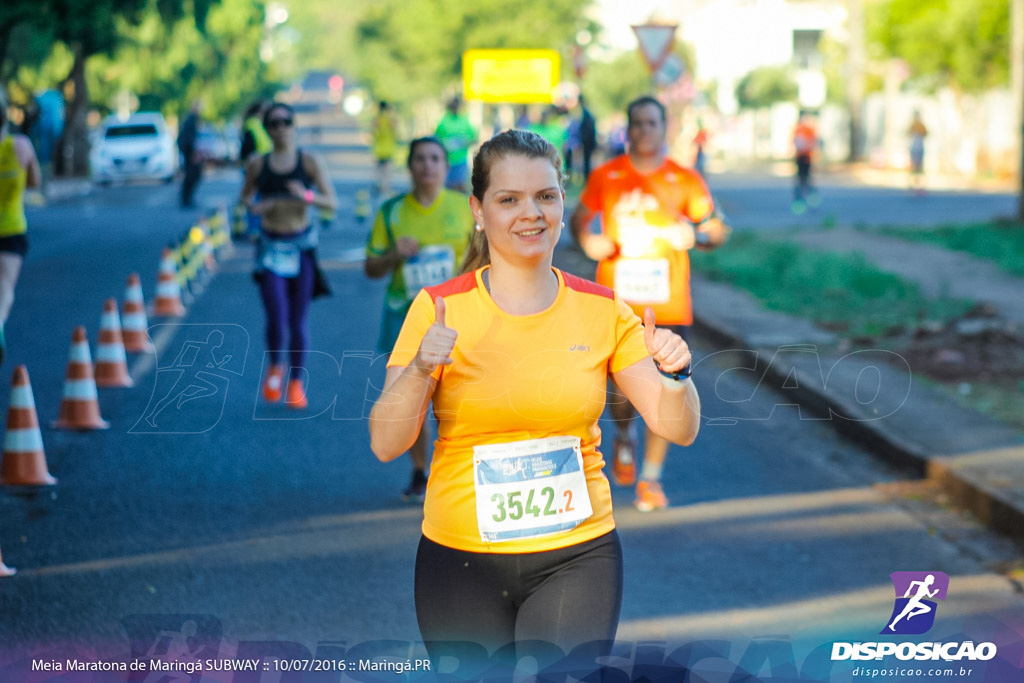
(286, 300)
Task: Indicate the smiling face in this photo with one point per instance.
(521, 209)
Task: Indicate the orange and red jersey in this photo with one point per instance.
(642, 213)
(516, 378)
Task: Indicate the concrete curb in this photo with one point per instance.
(966, 476)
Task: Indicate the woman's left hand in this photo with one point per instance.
(669, 350)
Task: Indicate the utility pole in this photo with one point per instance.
(856, 65)
(1017, 87)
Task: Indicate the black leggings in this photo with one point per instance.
(562, 598)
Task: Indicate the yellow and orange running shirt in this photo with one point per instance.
(522, 392)
(641, 213)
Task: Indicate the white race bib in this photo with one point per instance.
(643, 281)
(430, 266)
(531, 488)
(282, 258)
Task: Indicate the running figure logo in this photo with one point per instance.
(914, 612)
(189, 394)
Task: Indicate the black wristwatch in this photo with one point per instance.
(678, 375)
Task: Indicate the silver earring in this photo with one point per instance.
(478, 227)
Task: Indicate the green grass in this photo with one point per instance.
(998, 399)
(1000, 242)
(841, 292)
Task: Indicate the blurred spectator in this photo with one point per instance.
(551, 128)
(385, 136)
(254, 137)
(700, 141)
(457, 135)
(588, 137)
(191, 156)
(917, 134)
(805, 141)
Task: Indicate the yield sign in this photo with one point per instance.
(655, 42)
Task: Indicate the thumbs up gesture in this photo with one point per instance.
(668, 349)
(438, 342)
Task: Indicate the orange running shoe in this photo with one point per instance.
(273, 383)
(649, 496)
(624, 462)
(296, 399)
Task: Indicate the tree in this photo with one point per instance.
(765, 86)
(610, 86)
(964, 44)
(412, 49)
(167, 65)
(87, 28)
(13, 13)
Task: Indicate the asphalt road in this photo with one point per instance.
(277, 533)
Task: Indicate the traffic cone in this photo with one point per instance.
(5, 570)
(111, 367)
(80, 408)
(168, 291)
(134, 325)
(24, 462)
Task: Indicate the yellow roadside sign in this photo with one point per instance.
(519, 76)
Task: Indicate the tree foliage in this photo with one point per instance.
(166, 65)
(961, 43)
(412, 49)
(765, 86)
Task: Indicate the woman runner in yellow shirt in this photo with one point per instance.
(418, 237)
(19, 169)
(519, 544)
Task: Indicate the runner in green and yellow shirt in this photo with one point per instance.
(420, 238)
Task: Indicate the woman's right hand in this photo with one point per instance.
(438, 342)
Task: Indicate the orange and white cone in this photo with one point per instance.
(24, 462)
(111, 369)
(168, 291)
(80, 408)
(134, 326)
(5, 570)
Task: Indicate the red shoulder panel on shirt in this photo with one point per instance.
(578, 284)
(457, 285)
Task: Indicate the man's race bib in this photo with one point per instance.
(282, 258)
(430, 266)
(643, 281)
(531, 488)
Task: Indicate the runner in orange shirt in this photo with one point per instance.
(649, 206)
(805, 142)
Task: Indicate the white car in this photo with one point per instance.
(137, 148)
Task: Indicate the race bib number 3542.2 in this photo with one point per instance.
(531, 488)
